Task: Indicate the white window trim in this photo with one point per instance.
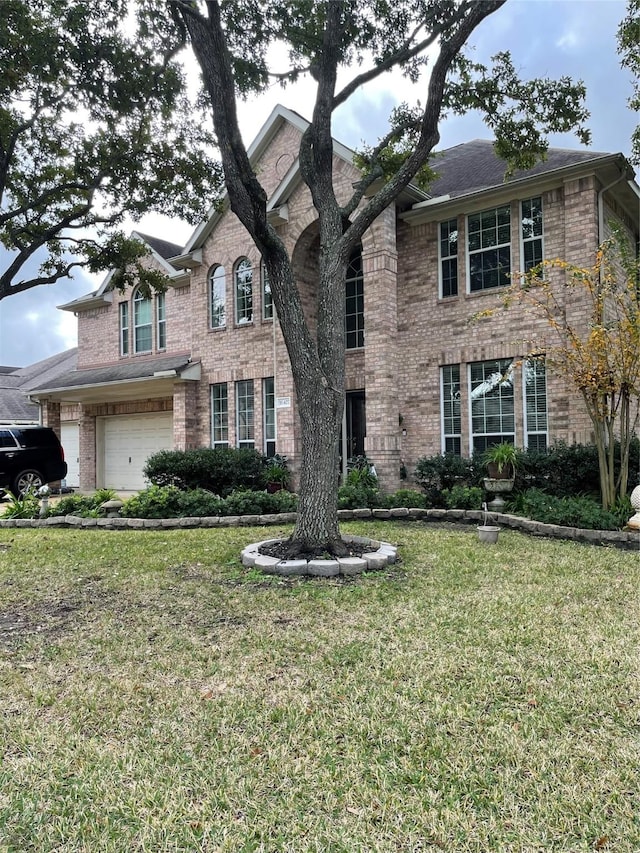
(214, 442)
(244, 321)
(135, 326)
(468, 253)
(470, 406)
(525, 429)
(530, 239)
(210, 285)
(161, 299)
(443, 434)
(441, 258)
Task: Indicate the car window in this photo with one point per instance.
(37, 438)
(6, 439)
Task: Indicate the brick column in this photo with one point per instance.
(87, 450)
(185, 422)
(50, 411)
(380, 265)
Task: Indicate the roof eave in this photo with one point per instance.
(423, 211)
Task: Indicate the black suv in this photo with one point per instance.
(29, 457)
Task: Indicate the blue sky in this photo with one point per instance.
(552, 38)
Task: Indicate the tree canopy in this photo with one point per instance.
(629, 50)
(345, 45)
(95, 126)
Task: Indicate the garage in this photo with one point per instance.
(70, 439)
(127, 442)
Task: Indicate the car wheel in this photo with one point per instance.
(29, 479)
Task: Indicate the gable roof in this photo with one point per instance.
(161, 251)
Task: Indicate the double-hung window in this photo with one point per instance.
(354, 303)
(217, 298)
(243, 277)
(489, 248)
(161, 321)
(219, 415)
(450, 396)
(535, 403)
(245, 435)
(142, 322)
(448, 249)
(532, 232)
(124, 328)
(492, 403)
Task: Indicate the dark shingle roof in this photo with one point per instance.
(114, 373)
(164, 248)
(475, 166)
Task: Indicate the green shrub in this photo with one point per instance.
(568, 511)
(249, 502)
(218, 469)
(437, 473)
(408, 498)
(84, 506)
(463, 497)
(199, 503)
(153, 502)
(357, 496)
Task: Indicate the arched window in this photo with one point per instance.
(142, 321)
(354, 303)
(217, 298)
(243, 278)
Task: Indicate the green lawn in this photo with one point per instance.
(156, 696)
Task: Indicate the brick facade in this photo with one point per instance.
(410, 331)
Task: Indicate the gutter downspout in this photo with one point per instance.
(622, 176)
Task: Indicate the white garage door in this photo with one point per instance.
(127, 444)
(70, 438)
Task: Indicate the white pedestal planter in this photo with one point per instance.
(634, 521)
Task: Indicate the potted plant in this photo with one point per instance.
(277, 474)
(500, 461)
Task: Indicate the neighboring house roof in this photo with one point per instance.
(163, 248)
(169, 367)
(16, 384)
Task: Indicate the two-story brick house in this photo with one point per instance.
(205, 363)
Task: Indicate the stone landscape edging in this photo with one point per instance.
(616, 538)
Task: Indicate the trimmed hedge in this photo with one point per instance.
(217, 469)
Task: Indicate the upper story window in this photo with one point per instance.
(124, 328)
(532, 232)
(267, 299)
(142, 321)
(243, 278)
(161, 321)
(448, 249)
(354, 303)
(489, 247)
(217, 298)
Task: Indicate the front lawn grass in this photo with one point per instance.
(157, 696)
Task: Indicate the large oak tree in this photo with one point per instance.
(355, 41)
(94, 127)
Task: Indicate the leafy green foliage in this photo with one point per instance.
(463, 497)
(577, 511)
(24, 506)
(443, 471)
(94, 125)
(217, 469)
(84, 506)
(629, 49)
(172, 502)
(408, 498)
